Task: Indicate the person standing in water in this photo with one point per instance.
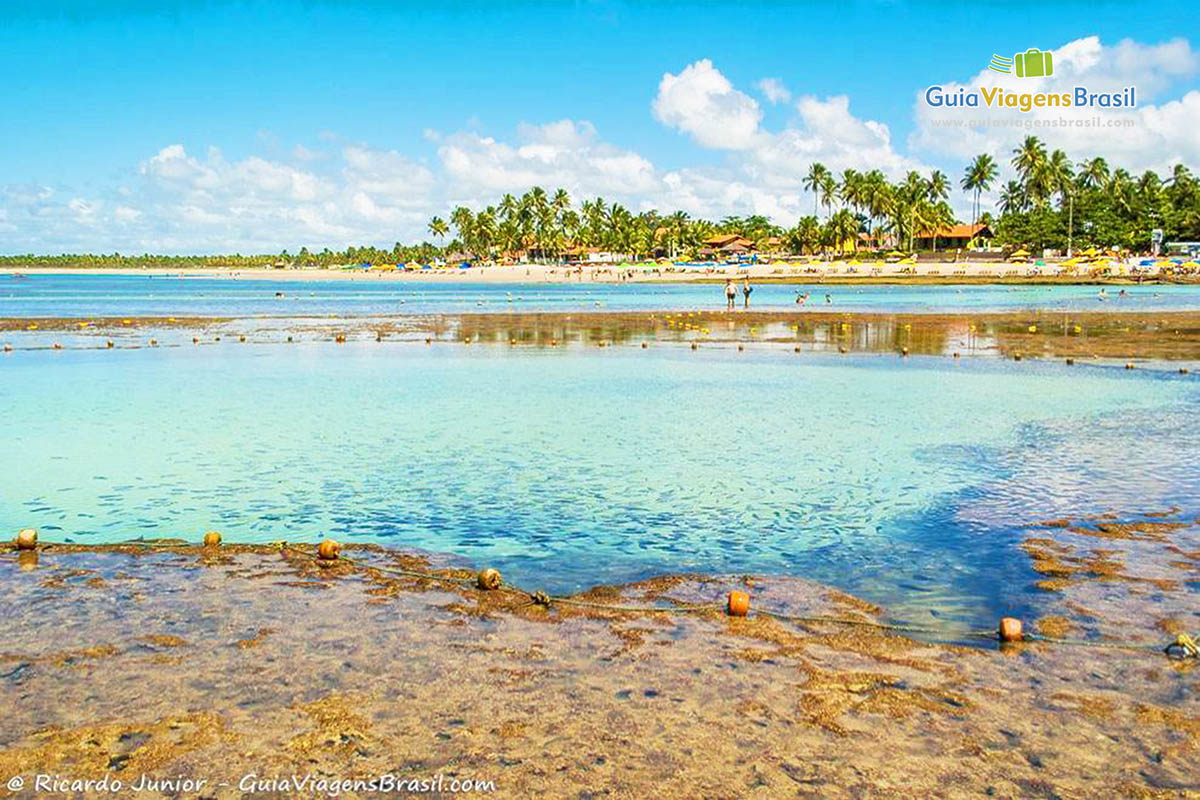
(730, 293)
(746, 290)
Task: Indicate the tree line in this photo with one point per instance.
(1051, 203)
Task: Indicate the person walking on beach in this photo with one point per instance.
(730, 293)
(746, 290)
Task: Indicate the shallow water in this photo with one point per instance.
(909, 482)
(138, 295)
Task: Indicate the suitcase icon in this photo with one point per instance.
(1033, 63)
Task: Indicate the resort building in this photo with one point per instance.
(955, 237)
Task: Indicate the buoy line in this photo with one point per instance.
(737, 603)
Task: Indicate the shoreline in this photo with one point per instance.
(833, 273)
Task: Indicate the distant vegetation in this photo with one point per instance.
(1051, 199)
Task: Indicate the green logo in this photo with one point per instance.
(1033, 63)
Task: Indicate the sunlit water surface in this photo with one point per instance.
(909, 482)
(142, 295)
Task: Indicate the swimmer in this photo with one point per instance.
(828, 299)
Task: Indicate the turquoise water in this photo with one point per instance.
(906, 481)
(140, 295)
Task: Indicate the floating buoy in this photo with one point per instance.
(212, 539)
(1010, 629)
(738, 604)
(1070, 362)
(27, 539)
(328, 550)
(489, 579)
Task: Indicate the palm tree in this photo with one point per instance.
(1012, 198)
(1030, 161)
(438, 227)
(978, 178)
(814, 181)
(1093, 174)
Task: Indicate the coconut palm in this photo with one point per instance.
(814, 181)
(978, 179)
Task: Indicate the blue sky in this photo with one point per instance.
(391, 92)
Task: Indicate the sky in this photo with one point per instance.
(219, 127)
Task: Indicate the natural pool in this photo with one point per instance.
(142, 295)
(908, 482)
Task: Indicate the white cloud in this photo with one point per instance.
(701, 102)
(564, 153)
(774, 90)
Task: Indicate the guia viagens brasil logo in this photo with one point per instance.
(1032, 63)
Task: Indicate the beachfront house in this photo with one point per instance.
(727, 245)
(955, 237)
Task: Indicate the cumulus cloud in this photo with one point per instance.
(774, 90)
(563, 153)
(701, 102)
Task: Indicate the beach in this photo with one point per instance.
(848, 271)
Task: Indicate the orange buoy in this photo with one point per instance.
(212, 539)
(27, 539)
(328, 550)
(738, 604)
(489, 579)
(1010, 629)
